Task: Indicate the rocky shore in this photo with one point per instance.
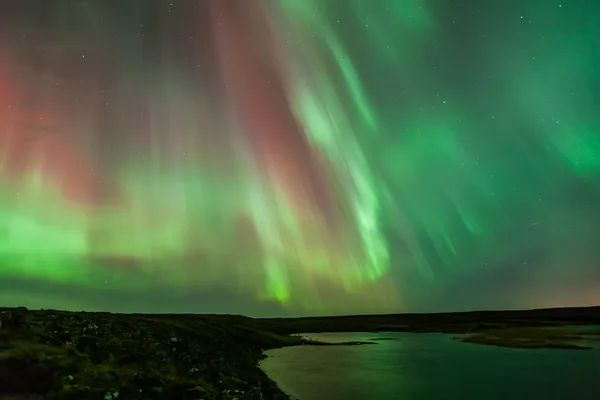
(77, 355)
(46, 354)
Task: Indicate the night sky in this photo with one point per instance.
(294, 157)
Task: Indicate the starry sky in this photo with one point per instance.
(284, 157)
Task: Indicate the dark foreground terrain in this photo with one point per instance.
(76, 355)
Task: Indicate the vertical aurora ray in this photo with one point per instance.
(317, 103)
(312, 156)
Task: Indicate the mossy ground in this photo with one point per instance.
(77, 355)
(108, 356)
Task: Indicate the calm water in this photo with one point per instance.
(430, 367)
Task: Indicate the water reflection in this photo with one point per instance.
(431, 366)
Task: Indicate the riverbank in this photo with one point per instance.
(531, 329)
(76, 355)
(405, 367)
(81, 355)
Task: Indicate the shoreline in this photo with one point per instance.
(95, 355)
(70, 355)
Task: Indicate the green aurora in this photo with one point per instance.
(299, 157)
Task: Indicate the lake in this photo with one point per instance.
(428, 367)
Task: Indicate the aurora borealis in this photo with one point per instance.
(284, 157)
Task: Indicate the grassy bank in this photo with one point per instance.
(67, 355)
(78, 355)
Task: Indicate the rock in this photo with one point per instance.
(24, 376)
(67, 355)
(13, 319)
